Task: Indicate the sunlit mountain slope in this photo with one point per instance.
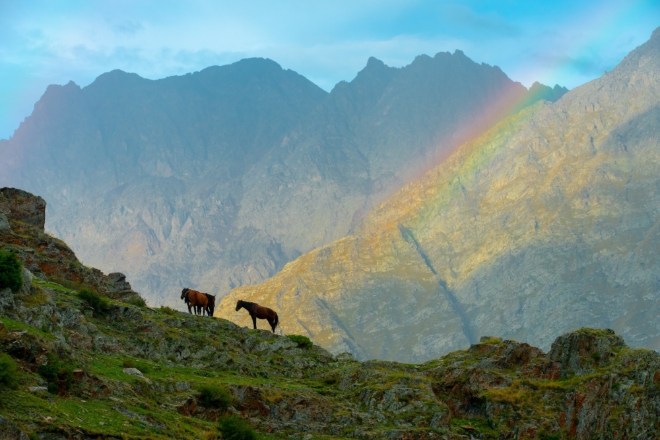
(548, 222)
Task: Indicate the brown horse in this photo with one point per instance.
(261, 312)
(195, 299)
(211, 306)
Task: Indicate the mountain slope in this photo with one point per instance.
(546, 223)
(216, 179)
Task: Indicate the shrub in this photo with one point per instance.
(235, 428)
(8, 371)
(136, 300)
(214, 397)
(100, 305)
(302, 341)
(10, 271)
(167, 310)
(58, 375)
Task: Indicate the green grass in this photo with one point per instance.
(14, 326)
(53, 286)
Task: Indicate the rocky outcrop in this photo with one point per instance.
(22, 206)
(46, 257)
(582, 352)
(4, 222)
(546, 223)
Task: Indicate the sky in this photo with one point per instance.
(554, 42)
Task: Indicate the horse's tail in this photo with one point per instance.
(277, 320)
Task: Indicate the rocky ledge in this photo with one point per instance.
(22, 220)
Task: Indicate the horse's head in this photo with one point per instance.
(239, 304)
(184, 292)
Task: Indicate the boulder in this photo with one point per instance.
(582, 351)
(4, 223)
(22, 206)
(118, 282)
(6, 300)
(137, 373)
(27, 281)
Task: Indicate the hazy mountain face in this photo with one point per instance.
(216, 179)
(548, 222)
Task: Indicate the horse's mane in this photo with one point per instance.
(247, 303)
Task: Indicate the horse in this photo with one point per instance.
(195, 299)
(261, 312)
(211, 305)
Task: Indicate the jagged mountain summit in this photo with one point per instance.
(546, 223)
(218, 178)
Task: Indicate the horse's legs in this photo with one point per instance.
(254, 321)
(189, 311)
(272, 325)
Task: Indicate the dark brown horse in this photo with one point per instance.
(261, 312)
(195, 299)
(211, 305)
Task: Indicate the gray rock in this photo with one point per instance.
(6, 300)
(38, 389)
(182, 386)
(137, 373)
(27, 276)
(345, 357)
(22, 206)
(118, 282)
(4, 223)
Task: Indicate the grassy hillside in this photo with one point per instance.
(79, 361)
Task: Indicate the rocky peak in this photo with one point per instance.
(581, 351)
(22, 206)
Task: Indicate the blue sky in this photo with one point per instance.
(565, 42)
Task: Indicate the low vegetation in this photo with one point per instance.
(100, 305)
(302, 341)
(10, 271)
(8, 372)
(235, 428)
(58, 374)
(214, 397)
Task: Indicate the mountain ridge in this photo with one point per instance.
(218, 178)
(510, 235)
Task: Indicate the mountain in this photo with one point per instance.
(78, 361)
(546, 223)
(217, 179)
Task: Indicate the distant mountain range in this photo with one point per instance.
(217, 179)
(548, 222)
